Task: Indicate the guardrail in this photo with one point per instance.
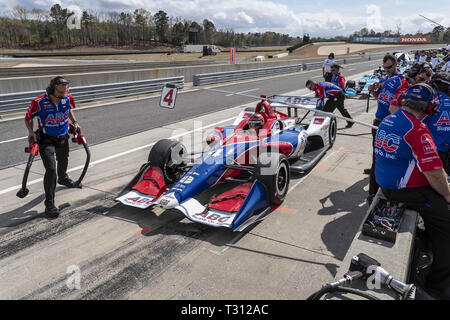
(209, 78)
(89, 68)
(21, 101)
(318, 65)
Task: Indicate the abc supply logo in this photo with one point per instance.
(388, 142)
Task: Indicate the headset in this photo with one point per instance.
(433, 106)
(417, 68)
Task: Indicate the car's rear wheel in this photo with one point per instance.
(332, 131)
(168, 156)
(272, 170)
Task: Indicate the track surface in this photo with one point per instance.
(112, 121)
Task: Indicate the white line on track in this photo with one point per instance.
(12, 140)
(229, 95)
(117, 155)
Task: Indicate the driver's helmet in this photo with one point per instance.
(256, 121)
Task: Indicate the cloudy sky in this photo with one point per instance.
(318, 18)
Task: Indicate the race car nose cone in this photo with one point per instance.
(168, 201)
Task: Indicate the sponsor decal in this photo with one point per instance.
(414, 39)
(428, 149)
(426, 139)
(443, 119)
(213, 218)
(56, 118)
(187, 179)
(136, 199)
(389, 142)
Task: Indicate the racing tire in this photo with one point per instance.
(166, 154)
(332, 131)
(272, 171)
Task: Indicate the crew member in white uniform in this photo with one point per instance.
(326, 69)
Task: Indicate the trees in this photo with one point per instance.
(37, 28)
(162, 25)
(209, 31)
(142, 18)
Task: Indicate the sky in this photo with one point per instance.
(319, 18)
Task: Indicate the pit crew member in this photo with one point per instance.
(53, 111)
(420, 72)
(439, 123)
(334, 93)
(337, 77)
(385, 92)
(408, 169)
(326, 69)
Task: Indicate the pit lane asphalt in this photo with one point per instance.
(128, 253)
(109, 122)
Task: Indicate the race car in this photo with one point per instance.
(361, 87)
(244, 175)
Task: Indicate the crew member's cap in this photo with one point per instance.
(419, 93)
(61, 81)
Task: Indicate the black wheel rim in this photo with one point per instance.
(282, 179)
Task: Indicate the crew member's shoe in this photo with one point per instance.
(51, 211)
(368, 171)
(69, 183)
(349, 124)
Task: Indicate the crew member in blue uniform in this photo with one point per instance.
(408, 169)
(53, 111)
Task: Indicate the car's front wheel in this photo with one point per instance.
(168, 156)
(272, 170)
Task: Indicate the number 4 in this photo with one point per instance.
(168, 96)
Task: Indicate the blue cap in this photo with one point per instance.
(419, 93)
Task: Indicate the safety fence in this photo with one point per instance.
(21, 101)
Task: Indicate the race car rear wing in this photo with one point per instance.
(312, 103)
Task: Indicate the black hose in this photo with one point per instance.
(328, 289)
(86, 164)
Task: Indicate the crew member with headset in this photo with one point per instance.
(439, 123)
(384, 92)
(326, 69)
(337, 77)
(420, 72)
(53, 111)
(334, 93)
(408, 169)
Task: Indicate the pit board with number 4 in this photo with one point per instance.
(168, 96)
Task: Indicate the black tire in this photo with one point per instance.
(332, 131)
(272, 170)
(162, 154)
(252, 109)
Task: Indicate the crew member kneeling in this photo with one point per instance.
(408, 169)
(53, 111)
